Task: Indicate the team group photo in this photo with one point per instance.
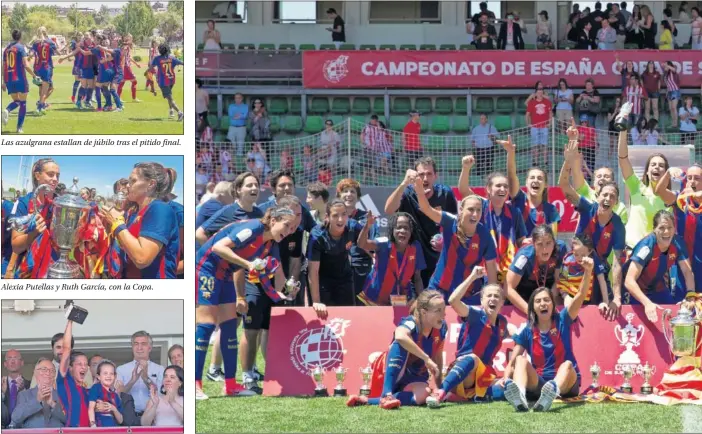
(92, 68)
(412, 235)
(114, 217)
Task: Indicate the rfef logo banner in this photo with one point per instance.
(489, 69)
(352, 337)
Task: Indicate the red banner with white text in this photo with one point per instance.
(352, 337)
(483, 69)
(569, 215)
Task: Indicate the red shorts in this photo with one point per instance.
(128, 74)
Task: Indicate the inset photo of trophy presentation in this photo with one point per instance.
(92, 217)
(92, 366)
(97, 67)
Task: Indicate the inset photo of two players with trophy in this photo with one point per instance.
(93, 366)
(92, 217)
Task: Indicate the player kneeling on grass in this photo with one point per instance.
(547, 339)
(164, 65)
(482, 331)
(14, 78)
(401, 374)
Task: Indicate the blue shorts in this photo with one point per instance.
(17, 87)
(654, 95)
(106, 76)
(118, 78)
(166, 91)
(573, 392)
(46, 75)
(657, 297)
(260, 304)
(212, 291)
(76, 71)
(673, 95)
(539, 136)
(87, 73)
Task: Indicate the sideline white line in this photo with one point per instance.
(691, 418)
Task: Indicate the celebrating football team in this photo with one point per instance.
(475, 255)
(100, 72)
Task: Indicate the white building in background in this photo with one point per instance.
(28, 325)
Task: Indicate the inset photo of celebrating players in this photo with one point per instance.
(86, 217)
(92, 67)
(101, 365)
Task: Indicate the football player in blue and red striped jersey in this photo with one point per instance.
(70, 382)
(107, 412)
(533, 205)
(534, 266)
(223, 258)
(652, 264)
(572, 274)
(396, 275)
(15, 65)
(114, 63)
(599, 221)
(547, 339)
(77, 39)
(401, 374)
(501, 217)
(687, 211)
(482, 330)
(87, 73)
(165, 64)
(466, 243)
(42, 51)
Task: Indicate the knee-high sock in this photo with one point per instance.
(98, 93)
(118, 100)
(89, 95)
(81, 94)
(119, 88)
(108, 96)
(22, 112)
(230, 347)
(203, 332)
(458, 373)
(75, 87)
(13, 105)
(134, 89)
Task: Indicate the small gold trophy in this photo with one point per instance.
(366, 374)
(340, 373)
(318, 376)
(595, 372)
(646, 388)
(627, 373)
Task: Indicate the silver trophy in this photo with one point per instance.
(627, 373)
(595, 371)
(366, 375)
(69, 208)
(21, 224)
(340, 373)
(647, 372)
(318, 376)
(621, 122)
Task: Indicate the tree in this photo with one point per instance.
(51, 10)
(18, 19)
(43, 18)
(81, 21)
(6, 30)
(170, 25)
(102, 18)
(136, 18)
(177, 7)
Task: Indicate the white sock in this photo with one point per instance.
(214, 367)
(247, 376)
(522, 390)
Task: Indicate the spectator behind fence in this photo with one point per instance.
(538, 116)
(606, 36)
(483, 138)
(672, 82)
(39, 406)
(689, 116)
(211, 38)
(635, 94)
(261, 166)
(202, 101)
(238, 114)
(411, 138)
(696, 29)
(643, 135)
(587, 142)
(544, 30)
(666, 40)
(338, 28)
(484, 34)
(13, 383)
(329, 142)
(589, 102)
(510, 35)
(308, 165)
(165, 405)
(260, 124)
(141, 373)
(652, 85)
(563, 98)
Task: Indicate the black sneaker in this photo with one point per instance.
(215, 374)
(252, 385)
(257, 375)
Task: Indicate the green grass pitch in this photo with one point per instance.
(150, 116)
(265, 414)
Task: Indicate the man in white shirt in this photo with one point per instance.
(139, 375)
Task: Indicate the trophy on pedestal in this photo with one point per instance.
(595, 371)
(366, 374)
(646, 388)
(627, 373)
(340, 373)
(69, 210)
(621, 122)
(320, 389)
(681, 333)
